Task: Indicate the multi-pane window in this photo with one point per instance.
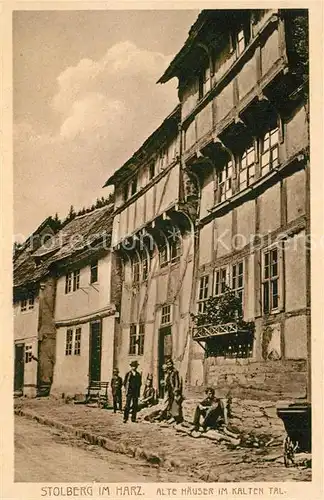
(174, 244)
(238, 280)
(270, 280)
(132, 339)
(136, 339)
(76, 280)
(94, 272)
(220, 281)
(28, 353)
(224, 178)
(140, 339)
(204, 82)
(270, 151)
(240, 42)
(163, 252)
(135, 270)
(73, 341)
(27, 304)
(68, 282)
(203, 293)
(69, 342)
(166, 315)
(145, 265)
(77, 341)
(247, 168)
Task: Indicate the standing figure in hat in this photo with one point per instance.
(173, 386)
(149, 394)
(132, 383)
(116, 389)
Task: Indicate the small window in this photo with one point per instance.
(247, 168)
(132, 340)
(76, 280)
(164, 158)
(270, 280)
(31, 302)
(77, 341)
(174, 239)
(134, 185)
(224, 178)
(220, 281)
(151, 170)
(68, 283)
(270, 151)
(135, 270)
(203, 293)
(163, 252)
(94, 272)
(204, 82)
(240, 42)
(68, 342)
(238, 280)
(140, 340)
(28, 353)
(166, 315)
(23, 305)
(145, 265)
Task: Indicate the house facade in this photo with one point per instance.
(153, 240)
(245, 140)
(28, 301)
(84, 314)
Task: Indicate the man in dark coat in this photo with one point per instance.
(132, 383)
(212, 409)
(116, 389)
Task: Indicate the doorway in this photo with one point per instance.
(95, 352)
(165, 353)
(19, 367)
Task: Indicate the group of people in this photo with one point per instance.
(132, 384)
(209, 413)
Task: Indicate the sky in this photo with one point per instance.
(85, 98)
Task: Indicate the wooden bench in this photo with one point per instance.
(98, 393)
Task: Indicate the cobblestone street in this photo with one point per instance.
(196, 459)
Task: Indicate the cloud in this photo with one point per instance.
(105, 109)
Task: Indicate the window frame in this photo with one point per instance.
(28, 353)
(76, 280)
(203, 292)
(175, 245)
(166, 315)
(133, 185)
(223, 283)
(229, 165)
(244, 160)
(238, 290)
(77, 341)
(140, 339)
(273, 162)
(69, 342)
(73, 338)
(136, 270)
(270, 279)
(94, 266)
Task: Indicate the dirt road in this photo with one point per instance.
(43, 454)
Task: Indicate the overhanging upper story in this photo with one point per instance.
(148, 184)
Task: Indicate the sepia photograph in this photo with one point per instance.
(161, 250)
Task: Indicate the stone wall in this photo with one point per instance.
(270, 380)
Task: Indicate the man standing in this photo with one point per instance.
(116, 389)
(132, 383)
(173, 386)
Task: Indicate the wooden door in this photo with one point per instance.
(19, 367)
(95, 352)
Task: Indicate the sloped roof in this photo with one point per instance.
(78, 234)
